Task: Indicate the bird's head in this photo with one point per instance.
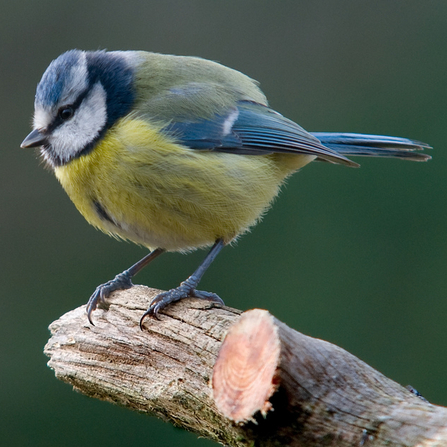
(80, 96)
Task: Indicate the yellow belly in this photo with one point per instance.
(140, 186)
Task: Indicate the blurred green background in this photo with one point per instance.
(354, 256)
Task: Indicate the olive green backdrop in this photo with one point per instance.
(354, 256)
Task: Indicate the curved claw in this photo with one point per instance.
(151, 313)
(103, 291)
(95, 300)
(91, 305)
(157, 304)
(162, 300)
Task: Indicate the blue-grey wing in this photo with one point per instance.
(251, 129)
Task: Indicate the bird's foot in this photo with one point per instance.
(185, 290)
(121, 281)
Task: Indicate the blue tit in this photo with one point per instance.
(175, 153)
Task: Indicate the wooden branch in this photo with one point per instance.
(272, 385)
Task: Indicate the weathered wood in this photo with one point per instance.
(319, 394)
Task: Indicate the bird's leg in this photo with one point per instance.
(187, 288)
(120, 282)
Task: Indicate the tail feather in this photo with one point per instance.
(355, 144)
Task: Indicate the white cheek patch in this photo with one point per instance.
(89, 119)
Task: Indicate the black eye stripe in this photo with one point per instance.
(58, 120)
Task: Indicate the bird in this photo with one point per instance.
(175, 153)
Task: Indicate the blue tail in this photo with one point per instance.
(356, 144)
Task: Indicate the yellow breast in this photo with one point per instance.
(139, 185)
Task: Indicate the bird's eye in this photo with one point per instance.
(65, 113)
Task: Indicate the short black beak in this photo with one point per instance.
(34, 139)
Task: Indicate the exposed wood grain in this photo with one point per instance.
(321, 394)
(245, 372)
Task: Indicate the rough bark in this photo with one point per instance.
(272, 385)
